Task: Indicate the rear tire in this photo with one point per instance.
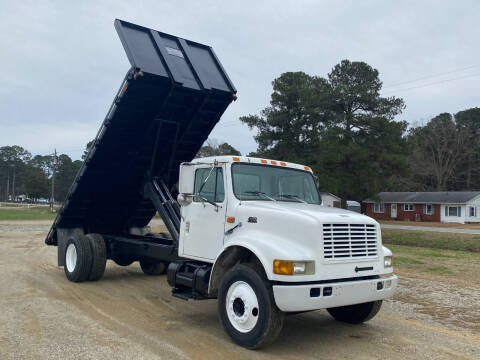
(247, 309)
(78, 258)
(99, 256)
(153, 268)
(356, 314)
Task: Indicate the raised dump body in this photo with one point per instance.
(169, 102)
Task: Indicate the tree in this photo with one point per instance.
(12, 169)
(341, 126)
(289, 128)
(468, 169)
(87, 149)
(213, 149)
(65, 174)
(36, 183)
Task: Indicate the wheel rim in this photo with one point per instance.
(242, 306)
(71, 257)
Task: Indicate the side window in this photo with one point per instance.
(213, 189)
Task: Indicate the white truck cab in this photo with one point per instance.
(250, 216)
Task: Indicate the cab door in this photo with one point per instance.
(203, 224)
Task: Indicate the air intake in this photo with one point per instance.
(346, 241)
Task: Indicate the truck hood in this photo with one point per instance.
(319, 213)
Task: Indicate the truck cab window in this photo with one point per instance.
(267, 183)
(213, 189)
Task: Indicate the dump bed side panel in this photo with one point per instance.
(167, 105)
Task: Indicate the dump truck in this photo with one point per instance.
(250, 232)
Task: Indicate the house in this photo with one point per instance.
(330, 200)
(440, 206)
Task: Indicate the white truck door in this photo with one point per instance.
(203, 223)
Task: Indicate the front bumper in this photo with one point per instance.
(302, 298)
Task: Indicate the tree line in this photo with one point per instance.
(340, 125)
(348, 133)
(24, 174)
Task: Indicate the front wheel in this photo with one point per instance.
(247, 309)
(356, 314)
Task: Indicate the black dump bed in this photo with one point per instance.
(169, 102)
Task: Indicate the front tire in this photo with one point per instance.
(247, 309)
(356, 314)
(78, 258)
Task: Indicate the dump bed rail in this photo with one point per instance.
(167, 105)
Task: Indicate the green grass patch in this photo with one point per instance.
(441, 270)
(27, 214)
(432, 240)
(398, 260)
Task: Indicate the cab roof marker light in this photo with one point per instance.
(263, 161)
(283, 163)
(306, 168)
(273, 162)
(235, 158)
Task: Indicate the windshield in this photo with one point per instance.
(270, 183)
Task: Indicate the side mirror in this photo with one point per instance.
(184, 199)
(187, 178)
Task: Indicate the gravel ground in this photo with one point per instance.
(127, 315)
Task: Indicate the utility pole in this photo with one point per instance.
(13, 183)
(8, 187)
(52, 201)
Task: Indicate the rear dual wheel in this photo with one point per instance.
(85, 257)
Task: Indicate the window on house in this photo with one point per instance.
(379, 208)
(472, 211)
(453, 211)
(213, 189)
(408, 207)
(428, 209)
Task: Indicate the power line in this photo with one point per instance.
(431, 84)
(430, 76)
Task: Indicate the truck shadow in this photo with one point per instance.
(318, 331)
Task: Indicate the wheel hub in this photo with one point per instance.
(242, 306)
(71, 257)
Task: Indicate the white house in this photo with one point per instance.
(330, 200)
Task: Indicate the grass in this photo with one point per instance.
(441, 263)
(432, 240)
(440, 270)
(400, 260)
(35, 213)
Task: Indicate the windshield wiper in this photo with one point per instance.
(295, 197)
(260, 193)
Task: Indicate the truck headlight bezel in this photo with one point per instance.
(388, 261)
(293, 267)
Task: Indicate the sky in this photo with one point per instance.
(62, 62)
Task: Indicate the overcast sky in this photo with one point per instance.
(61, 61)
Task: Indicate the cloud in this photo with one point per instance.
(62, 61)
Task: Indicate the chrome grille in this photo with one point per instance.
(343, 241)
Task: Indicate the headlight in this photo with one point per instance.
(387, 261)
(288, 267)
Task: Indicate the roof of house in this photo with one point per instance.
(443, 197)
(322, 193)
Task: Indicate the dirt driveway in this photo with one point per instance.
(128, 315)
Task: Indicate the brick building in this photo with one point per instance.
(441, 206)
